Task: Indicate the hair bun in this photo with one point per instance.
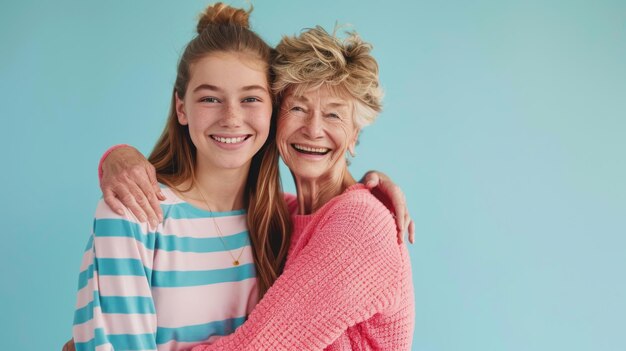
(222, 14)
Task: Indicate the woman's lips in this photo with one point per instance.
(310, 150)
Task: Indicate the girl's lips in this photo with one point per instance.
(230, 142)
(230, 139)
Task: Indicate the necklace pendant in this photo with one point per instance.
(236, 263)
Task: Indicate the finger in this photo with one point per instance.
(400, 236)
(68, 346)
(372, 180)
(142, 201)
(155, 184)
(128, 199)
(407, 220)
(148, 199)
(400, 208)
(412, 232)
(156, 205)
(113, 202)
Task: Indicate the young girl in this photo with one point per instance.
(194, 275)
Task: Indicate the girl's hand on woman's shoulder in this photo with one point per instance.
(393, 197)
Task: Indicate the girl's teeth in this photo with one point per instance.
(229, 140)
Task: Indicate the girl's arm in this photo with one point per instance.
(114, 306)
(348, 271)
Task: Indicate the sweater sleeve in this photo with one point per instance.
(347, 272)
(114, 307)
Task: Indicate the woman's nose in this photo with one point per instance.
(314, 126)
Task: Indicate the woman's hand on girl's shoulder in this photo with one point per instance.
(129, 180)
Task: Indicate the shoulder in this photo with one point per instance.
(106, 216)
(361, 201)
(362, 210)
(106, 219)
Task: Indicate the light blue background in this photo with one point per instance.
(504, 123)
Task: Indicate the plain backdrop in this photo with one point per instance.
(504, 123)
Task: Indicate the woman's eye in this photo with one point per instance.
(251, 99)
(297, 109)
(333, 115)
(209, 99)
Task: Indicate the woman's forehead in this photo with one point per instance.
(327, 95)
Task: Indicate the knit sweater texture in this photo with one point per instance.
(346, 285)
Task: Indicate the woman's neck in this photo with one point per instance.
(315, 193)
(218, 190)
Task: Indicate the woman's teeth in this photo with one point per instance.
(229, 140)
(311, 150)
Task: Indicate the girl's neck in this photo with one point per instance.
(219, 190)
(315, 193)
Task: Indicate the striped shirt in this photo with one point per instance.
(164, 288)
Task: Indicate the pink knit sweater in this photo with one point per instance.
(346, 285)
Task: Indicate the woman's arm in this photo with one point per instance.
(114, 302)
(348, 271)
(127, 179)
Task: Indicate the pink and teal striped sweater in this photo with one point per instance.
(164, 288)
(346, 285)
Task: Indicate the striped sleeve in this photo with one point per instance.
(115, 309)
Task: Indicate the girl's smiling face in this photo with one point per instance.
(227, 108)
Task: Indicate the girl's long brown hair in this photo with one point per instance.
(222, 28)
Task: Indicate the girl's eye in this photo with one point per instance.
(209, 99)
(251, 99)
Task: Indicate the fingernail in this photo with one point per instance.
(119, 211)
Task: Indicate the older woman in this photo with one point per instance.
(347, 283)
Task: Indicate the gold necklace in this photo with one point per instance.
(219, 231)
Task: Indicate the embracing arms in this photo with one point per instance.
(348, 269)
(129, 180)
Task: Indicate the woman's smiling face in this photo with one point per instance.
(315, 129)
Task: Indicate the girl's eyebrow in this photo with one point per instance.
(254, 87)
(215, 88)
(206, 87)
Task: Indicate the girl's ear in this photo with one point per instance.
(180, 110)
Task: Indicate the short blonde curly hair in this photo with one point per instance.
(316, 58)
